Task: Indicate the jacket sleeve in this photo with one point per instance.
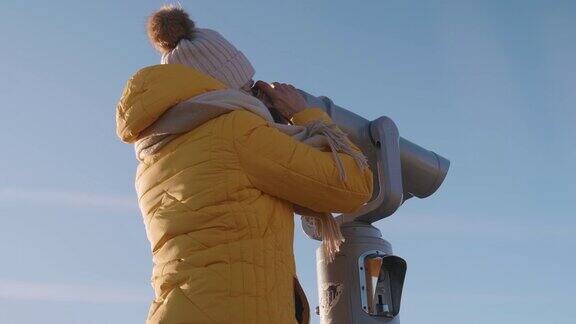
(286, 168)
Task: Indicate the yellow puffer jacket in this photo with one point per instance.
(217, 203)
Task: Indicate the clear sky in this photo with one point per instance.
(488, 84)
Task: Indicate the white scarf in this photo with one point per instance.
(187, 115)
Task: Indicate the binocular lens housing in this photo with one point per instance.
(423, 171)
(401, 168)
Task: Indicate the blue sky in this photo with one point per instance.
(488, 84)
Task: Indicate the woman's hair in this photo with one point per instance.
(167, 26)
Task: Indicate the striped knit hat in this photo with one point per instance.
(209, 52)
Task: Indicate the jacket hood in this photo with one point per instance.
(153, 90)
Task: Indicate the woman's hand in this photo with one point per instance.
(284, 97)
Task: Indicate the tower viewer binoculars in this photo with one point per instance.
(364, 283)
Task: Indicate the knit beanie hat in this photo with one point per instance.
(180, 42)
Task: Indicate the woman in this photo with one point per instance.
(218, 180)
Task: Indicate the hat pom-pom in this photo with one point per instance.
(167, 26)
